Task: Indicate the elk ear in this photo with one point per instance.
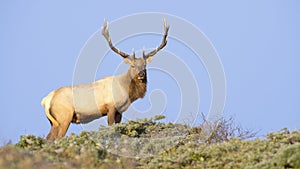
(149, 59)
(128, 61)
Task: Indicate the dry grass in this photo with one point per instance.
(148, 143)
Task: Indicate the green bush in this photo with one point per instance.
(148, 143)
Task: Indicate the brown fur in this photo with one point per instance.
(137, 88)
(104, 109)
(75, 118)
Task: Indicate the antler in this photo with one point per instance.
(105, 33)
(163, 43)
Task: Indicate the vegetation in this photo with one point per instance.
(148, 143)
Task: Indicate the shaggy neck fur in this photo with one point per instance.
(136, 87)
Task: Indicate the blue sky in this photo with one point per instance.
(257, 42)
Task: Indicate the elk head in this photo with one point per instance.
(137, 65)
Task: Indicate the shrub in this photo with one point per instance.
(148, 143)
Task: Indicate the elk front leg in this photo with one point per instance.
(118, 117)
(111, 116)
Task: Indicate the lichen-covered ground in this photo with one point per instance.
(147, 143)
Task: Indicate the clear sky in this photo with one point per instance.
(258, 43)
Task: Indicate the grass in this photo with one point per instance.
(148, 143)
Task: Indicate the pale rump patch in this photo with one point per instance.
(46, 103)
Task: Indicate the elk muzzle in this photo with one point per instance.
(142, 75)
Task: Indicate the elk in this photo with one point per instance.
(109, 96)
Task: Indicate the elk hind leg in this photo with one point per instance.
(62, 129)
(64, 123)
(54, 125)
(53, 133)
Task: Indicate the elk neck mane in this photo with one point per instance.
(137, 88)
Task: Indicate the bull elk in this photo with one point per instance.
(109, 96)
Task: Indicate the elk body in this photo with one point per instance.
(109, 96)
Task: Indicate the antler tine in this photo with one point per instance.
(166, 27)
(163, 43)
(143, 50)
(133, 54)
(105, 33)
